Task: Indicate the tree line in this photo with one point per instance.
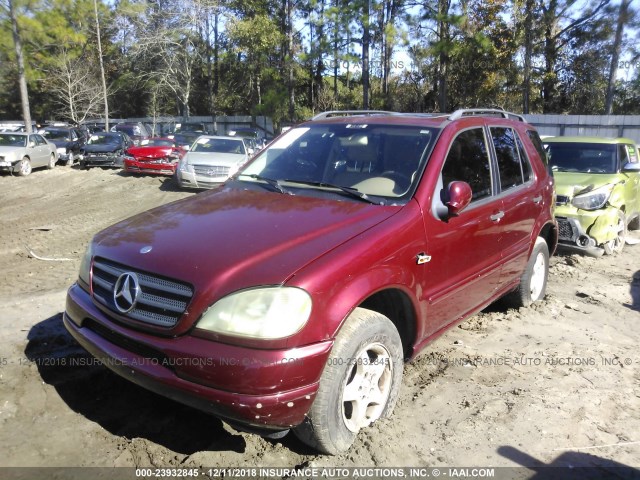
(288, 59)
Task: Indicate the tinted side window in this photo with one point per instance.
(39, 140)
(633, 153)
(537, 143)
(622, 155)
(508, 158)
(524, 159)
(468, 160)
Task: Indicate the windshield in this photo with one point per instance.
(13, 140)
(378, 160)
(56, 134)
(98, 139)
(218, 145)
(131, 130)
(582, 157)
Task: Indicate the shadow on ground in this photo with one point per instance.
(635, 292)
(119, 406)
(570, 465)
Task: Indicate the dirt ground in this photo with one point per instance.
(557, 384)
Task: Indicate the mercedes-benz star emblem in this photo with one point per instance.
(126, 291)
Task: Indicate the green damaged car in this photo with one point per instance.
(597, 191)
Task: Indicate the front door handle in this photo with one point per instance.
(537, 199)
(497, 216)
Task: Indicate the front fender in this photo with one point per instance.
(378, 259)
(605, 227)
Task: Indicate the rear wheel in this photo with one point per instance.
(533, 282)
(23, 167)
(617, 244)
(359, 384)
(52, 161)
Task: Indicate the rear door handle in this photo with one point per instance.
(537, 199)
(497, 216)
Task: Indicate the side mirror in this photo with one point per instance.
(459, 197)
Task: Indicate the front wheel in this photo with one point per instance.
(359, 384)
(533, 282)
(23, 167)
(52, 161)
(70, 160)
(617, 244)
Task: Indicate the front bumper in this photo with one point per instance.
(6, 165)
(154, 167)
(188, 179)
(89, 160)
(263, 390)
(586, 230)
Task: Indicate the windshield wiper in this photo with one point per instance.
(273, 183)
(353, 192)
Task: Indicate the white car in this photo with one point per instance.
(211, 161)
(21, 152)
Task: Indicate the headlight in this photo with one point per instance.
(263, 313)
(594, 199)
(62, 150)
(85, 265)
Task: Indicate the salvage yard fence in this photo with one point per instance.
(548, 125)
(218, 125)
(587, 125)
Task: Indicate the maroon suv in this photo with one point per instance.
(290, 297)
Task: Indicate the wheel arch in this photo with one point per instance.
(394, 303)
(549, 233)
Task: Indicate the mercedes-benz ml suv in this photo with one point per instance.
(307, 279)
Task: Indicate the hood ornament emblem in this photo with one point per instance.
(126, 291)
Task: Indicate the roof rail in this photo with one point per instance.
(483, 111)
(345, 113)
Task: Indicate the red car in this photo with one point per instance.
(290, 296)
(158, 156)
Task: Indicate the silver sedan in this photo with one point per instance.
(21, 152)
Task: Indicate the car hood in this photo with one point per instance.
(228, 239)
(102, 148)
(149, 152)
(208, 158)
(9, 149)
(570, 183)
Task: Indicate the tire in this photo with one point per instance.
(634, 224)
(533, 282)
(52, 162)
(23, 167)
(83, 165)
(367, 354)
(70, 160)
(617, 244)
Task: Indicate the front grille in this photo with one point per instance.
(211, 170)
(566, 230)
(161, 301)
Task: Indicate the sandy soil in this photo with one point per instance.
(557, 384)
